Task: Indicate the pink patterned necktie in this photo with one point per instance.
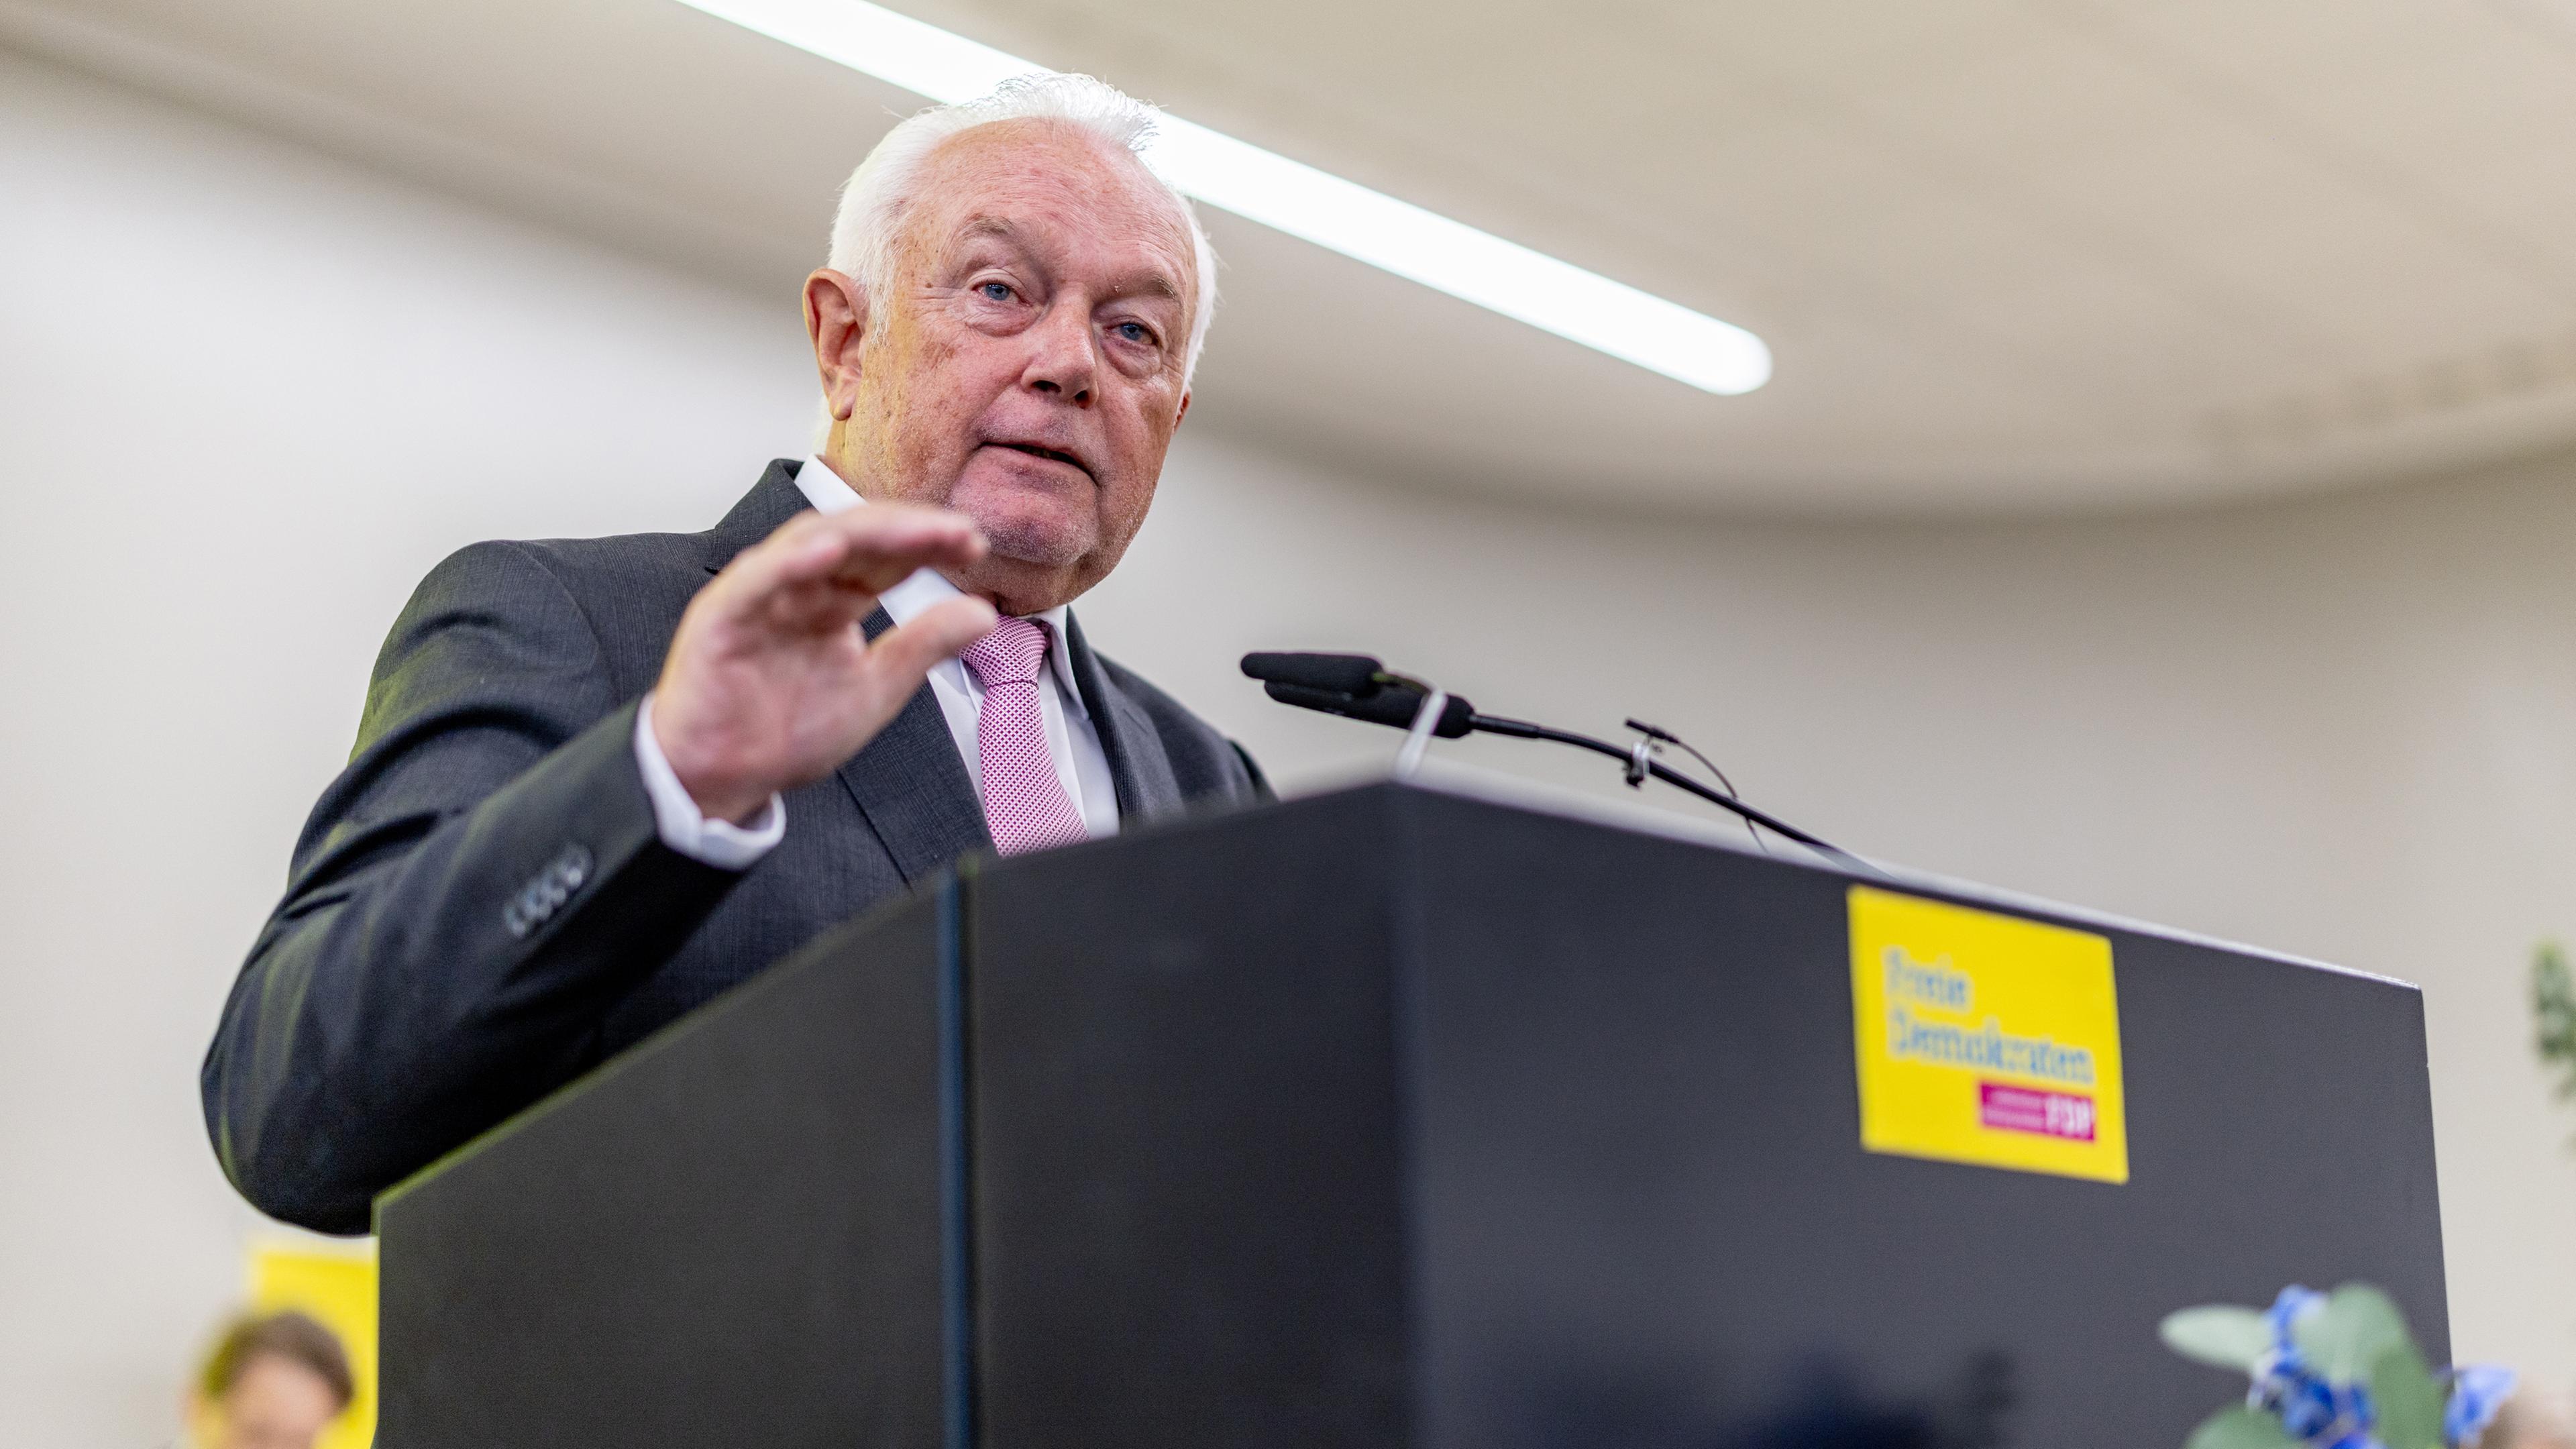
(1024, 800)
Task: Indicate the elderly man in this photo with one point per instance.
(600, 781)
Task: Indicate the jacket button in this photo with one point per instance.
(539, 899)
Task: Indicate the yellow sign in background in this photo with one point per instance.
(1986, 1039)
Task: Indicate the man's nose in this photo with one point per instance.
(1064, 362)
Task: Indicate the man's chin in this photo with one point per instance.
(1046, 535)
(1017, 586)
(1036, 542)
(1043, 522)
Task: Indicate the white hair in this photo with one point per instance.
(883, 189)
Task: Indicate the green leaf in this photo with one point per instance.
(2553, 1010)
(2221, 1335)
(2345, 1338)
(2240, 1428)
(2408, 1401)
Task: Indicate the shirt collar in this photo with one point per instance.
(829, 494)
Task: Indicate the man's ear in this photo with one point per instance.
(1185, 408)
(836, 318)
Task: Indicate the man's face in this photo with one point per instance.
(1027, 368)
(277, 1403)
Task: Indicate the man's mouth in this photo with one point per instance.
(1040, 450)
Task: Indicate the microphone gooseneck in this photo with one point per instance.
(1357, 686)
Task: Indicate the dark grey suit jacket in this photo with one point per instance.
(481, 909)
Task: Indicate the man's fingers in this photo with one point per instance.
(798, 552)
(884, 542)
(907, 652)
(872, 548)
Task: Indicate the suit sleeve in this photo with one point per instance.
(1261, 792)
(479, 885)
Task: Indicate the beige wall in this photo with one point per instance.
(2346, 730)
(248, 395)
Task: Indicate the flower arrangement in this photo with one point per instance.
(2333, 1371)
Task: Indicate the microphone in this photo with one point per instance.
(1354, 686)
(1358, 686)
(1338, 673)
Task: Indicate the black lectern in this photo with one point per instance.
(1404, 1117)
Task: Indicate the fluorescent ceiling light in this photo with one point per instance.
(1316, 206)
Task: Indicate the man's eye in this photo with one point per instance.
(996, 291)
(1135, 332)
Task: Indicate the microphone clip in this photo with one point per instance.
(1641, 762)
(1641, 755)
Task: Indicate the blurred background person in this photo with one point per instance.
(272, 1381)
(2533, 1418)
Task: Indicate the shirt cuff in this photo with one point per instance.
(719, 843)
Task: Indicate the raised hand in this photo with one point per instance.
(770, 683)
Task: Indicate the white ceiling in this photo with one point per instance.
(2010, 256)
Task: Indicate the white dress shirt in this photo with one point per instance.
(1072, 742)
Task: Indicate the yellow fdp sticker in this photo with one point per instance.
(1986, 1039)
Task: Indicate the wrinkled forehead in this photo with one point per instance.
(1058, 190)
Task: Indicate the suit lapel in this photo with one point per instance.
(772, 501)
(913, 789)
(1137, 764)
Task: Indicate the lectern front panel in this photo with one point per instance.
(728, 1236)
(1642, 1198)
(1189, 1140)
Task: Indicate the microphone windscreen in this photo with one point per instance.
(1330, 701)
(1354, 674)
(1397, 704)
(1394, 705)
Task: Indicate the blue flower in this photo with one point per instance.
(2477, 1392)
(2316, 1412)
(2295, 1303)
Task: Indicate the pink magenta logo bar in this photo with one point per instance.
(2023, 1109)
